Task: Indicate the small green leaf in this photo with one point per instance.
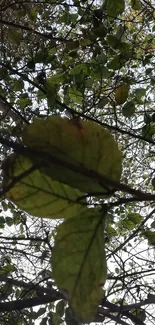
(15, 35)
(150, 236)
(128, 224)
(116, 63)
(32, 13)
(114, 7)
(85, 41)
(153, 182)
(139, 93)
(104, 100)
(55, 319)
(70, 318)
(44, 321)
(148, 130)
(111, 231)
(75, 95)
(79, 252)
(60, 308)
(128, 109)
(112, 40)
(7, 269)
(41, 311)
(78, 69)
(153, 117)
(151, 297)
(72, 45)
(148, 118)
(100, 31)
(136, 5)
(136, 218)
(121, 93)
(140, 314)
(153, 224)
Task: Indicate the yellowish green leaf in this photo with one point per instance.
(79, 263)
(37, 193)
(121, 94)
(85, 145)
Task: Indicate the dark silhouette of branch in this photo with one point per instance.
(51, 295)
(31, 30)
(32, 286)
(27, 303)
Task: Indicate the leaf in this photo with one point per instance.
(148, 118)
(7, 269)
(85, 41)
(153, 224)
(72, 45)
(121, 94)
(24, 100)
(32, 13)
(55, 319)
(136, 4)
(128, 224)
(44, 321)
(128, 109)
(153, 182)
(75, 95)
(17, 84)
(139, 93)
(85, 145)
(136, 218)
(70, 319)
(148, 130)
(111, 231)
(60, 308)
(151, 297)
(41, 311)
(15, 36)
(37, 193)
(114, 7)
(150, 236)
(117, 62)
(153, 117)
(79, 252)
(78, 69)
(101, 31)
(140, 314)
(112, 40)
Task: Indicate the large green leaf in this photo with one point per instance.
(78, 262)
(80, 143)
(37, 193)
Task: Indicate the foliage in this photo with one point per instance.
(77, 151)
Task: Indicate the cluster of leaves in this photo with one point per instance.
(53, 187)
(93, 63)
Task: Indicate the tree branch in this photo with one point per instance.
(32, 286)
(135, 232)
(27, 303)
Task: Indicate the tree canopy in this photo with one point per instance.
(77, 116)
